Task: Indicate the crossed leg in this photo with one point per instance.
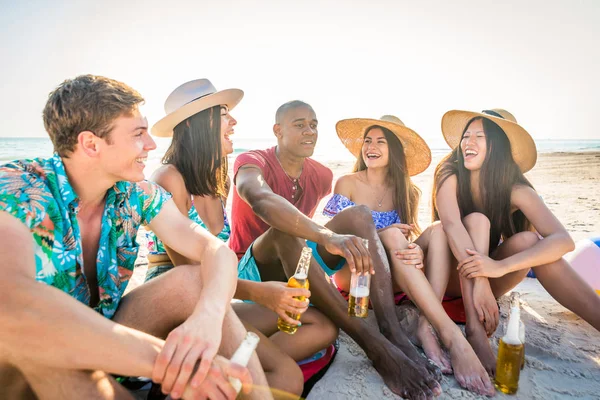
(410, 376)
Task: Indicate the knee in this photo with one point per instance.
(476, 220)
(437, 231)
(393, 238)
(359, 217)
(525, 241)
(329, 331)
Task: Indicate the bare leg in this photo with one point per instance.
(468, 370)
(163, 303)
(358, 221)
(401, 375)
(316, 333)
(437, 269)
(23, 380)
(558, 278)
(478, 227)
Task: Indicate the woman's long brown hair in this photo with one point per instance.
(499, 173)
(196, 153)
(405, 194)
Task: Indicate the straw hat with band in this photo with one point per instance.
(418, 155)
(191, 98)
(522, 145)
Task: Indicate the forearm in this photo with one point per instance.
(545, 251)
(459, 241)
(33, 314)
(218, 271)
(280, 214)
(246, 290)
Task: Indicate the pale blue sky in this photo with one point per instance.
(414, 59)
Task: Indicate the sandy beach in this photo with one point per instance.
(562, 351)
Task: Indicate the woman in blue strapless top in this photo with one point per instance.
(388, 153)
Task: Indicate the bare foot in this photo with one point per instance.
(431, 346)
(401, 341)
(403, 376)
(481, 345)
(468, 370)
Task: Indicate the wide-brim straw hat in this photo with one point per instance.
(191, 98)
(418, 155)
(522, 145)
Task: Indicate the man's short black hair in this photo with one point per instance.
(289, 106)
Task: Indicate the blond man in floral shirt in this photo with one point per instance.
(68, 226)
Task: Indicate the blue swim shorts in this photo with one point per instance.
(247, 268)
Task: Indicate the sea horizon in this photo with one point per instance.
(328, 150)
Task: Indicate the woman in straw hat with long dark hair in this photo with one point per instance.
(388, 153)
(497, 226)
(194, 170)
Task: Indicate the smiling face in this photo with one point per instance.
(297, 132)
(123, 154)
(473, 145)
(375, 151)
(227, 124)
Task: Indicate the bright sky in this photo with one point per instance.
(539, 59)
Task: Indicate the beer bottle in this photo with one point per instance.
(510, 354)
(299, 280)
(516, 302)
(242, 356)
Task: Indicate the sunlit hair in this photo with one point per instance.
(405, 194)
(86, 103)
(498, 174)
(197, 154)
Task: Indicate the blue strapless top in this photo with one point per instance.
(381, 219)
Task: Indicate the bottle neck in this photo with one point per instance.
(512, 330)
(304, 262)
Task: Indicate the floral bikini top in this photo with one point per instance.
(155, 246)
(381, 219)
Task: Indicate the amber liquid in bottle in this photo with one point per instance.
(299, 280)
(510, 354)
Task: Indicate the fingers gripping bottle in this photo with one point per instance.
(510, 353)
(242, 356)
(299, 280)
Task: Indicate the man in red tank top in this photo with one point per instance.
(276, 194)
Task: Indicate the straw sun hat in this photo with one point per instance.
(418, 155)
(522, 145)
(191, 98)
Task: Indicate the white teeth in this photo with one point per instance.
(471, 152)
(141, 159)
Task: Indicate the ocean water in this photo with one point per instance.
(325, 151)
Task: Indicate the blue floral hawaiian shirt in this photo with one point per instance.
(39, 194)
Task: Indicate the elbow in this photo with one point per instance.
(568, 243)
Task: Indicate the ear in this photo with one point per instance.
(88, 143)
(277, 131)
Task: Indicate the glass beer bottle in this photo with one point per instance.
(242, 356)
(358, 300)
(510, 354)
(299, 280)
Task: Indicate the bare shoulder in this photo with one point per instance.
(168, 177)
(521, 193)
(346, 184)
